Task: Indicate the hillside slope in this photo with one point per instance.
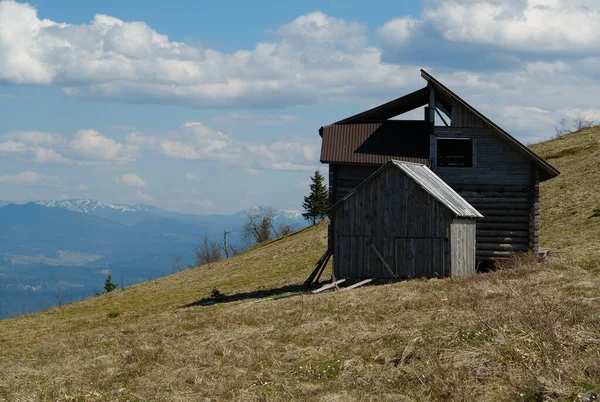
(529, 332)
(567, 202)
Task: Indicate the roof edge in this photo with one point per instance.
(552, 171)
(398, 164)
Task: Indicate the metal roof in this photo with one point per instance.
(375, 143)
(343, 136)
(431, 183)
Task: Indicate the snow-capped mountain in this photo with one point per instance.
(88, 205)
(132, 214)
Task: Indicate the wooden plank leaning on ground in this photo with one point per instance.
(328, 286)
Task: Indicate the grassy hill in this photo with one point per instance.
(528, 332)
(567, 202)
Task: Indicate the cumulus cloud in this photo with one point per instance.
(131, 180)
(312, 57)
(196, 141)
(94, 146)
(532, 26)
(143, 196)
(84, 147)
(26, 178)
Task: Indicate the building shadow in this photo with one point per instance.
(283, 291)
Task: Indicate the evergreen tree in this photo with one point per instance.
(108, 285)
(317, 202)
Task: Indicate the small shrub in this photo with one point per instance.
(113, 314)
(215, 294)
(596, 212)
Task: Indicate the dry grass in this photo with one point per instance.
(568, 201)
(528, 332)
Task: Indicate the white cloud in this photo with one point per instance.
(13, 147)
(26, 178)
(533, 26)
(190, 176)
(313, 57)
(590, 114)
(252, 119)
(94, 146)
(143, 196)
(38, 138)
(200, 142)
(86, 147)
(131, 180)
(398, 30)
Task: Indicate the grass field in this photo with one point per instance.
(528, 332)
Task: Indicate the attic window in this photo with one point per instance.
(455, 152)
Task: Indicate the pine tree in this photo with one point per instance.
(317, 202)
(108, 285)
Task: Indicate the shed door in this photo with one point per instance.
(420, 257)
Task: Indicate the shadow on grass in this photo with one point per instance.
(284, 291)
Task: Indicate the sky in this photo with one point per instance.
(214, 108)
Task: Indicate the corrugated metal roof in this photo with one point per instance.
(431, 183)
(438, 188)
(376, 143)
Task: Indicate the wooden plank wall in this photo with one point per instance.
(345, 178)
(463, 117)
(391, 211)
(463, 238)
(501, 187)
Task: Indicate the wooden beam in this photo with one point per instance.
(328, 286)
(439, 105)
(358, 284)
(385, 264)
(441, 117)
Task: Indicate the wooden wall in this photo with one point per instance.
(462, 254)
(501, 185)
(345, 178)
(408, 227)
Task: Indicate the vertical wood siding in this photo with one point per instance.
(462, 237)
(463, 117)
(409, 228)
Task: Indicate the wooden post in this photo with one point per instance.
(431, 121)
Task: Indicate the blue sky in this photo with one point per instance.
(213, 109)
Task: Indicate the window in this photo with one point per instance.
(455, 152)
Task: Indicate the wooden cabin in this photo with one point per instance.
(403, 222)
(485, 165)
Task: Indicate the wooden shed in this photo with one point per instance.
(403, 222)
(488, 167)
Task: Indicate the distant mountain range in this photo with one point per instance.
(67, 247)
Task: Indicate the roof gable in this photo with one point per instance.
(546, 168)
(444, 99)
(428, 181)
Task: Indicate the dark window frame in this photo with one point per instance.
(456, 152)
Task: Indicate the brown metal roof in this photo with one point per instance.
(376, 142)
